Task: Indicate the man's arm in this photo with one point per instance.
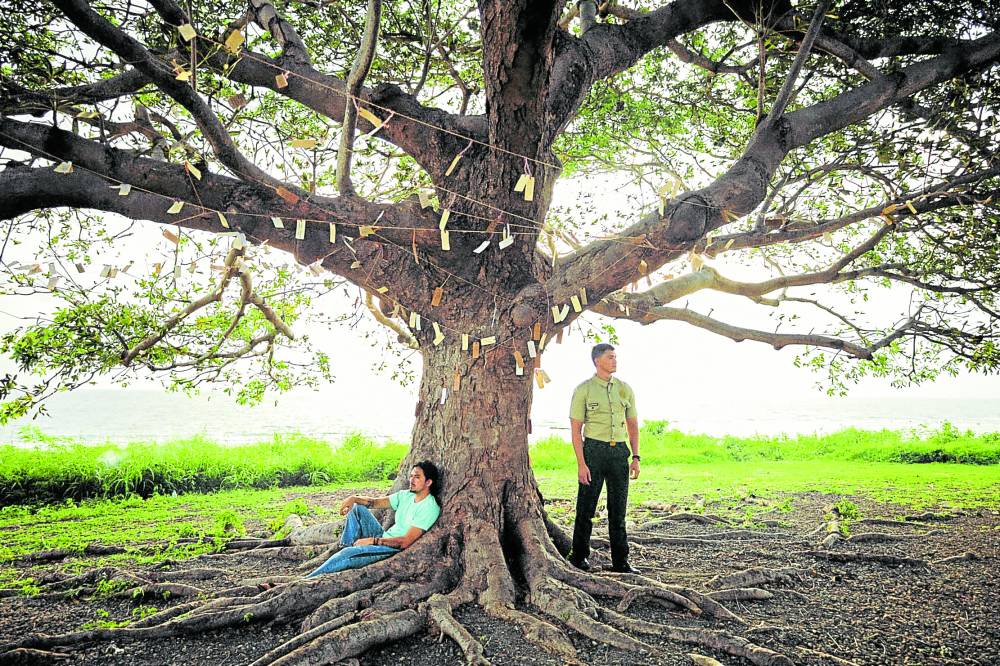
(633, 441)
(582, 471)
(370, 502)
(402, 542)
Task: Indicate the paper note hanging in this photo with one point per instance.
(529, 189)
(583, 295)
(170, 236)
(454, 162)
(106, 271)
(475, 349)
(383, 290)
(457, 384)
(370, 117)
(64, 167)
(444, 219)
(80, 268)
(281, 81)
(519, 361)
(413, 320)
(490, 340)
(187, 32)
(541, 343)
(175, 207)
(124, 189)
(576, 303)
(333, 232)
(436, 298)
(278, 224)
(536, 331)
(425, 199)
(355, 264)
(366, 230)
(445, 240)
(465, 342)
(287, 195)
(531, 349)
(234, 41)
(438, 335)
(54, 282)
(643, 267)
(444, 394)
(237, 101)
(300, 229)
(506, 242)
(538, 378)
(909, 204)
(545, 376)
(222, 219)
(192, 169)
(482, 246)
(303, 143)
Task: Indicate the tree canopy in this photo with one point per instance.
(831, 151)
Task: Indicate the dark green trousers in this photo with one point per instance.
(606, 463)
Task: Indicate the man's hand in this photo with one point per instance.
(633, 470)
(346, 505)
(583, 474)
(365, 542)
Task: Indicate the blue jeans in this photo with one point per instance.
(360, 524)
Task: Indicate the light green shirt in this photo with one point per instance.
(409, 513)
(603, 406)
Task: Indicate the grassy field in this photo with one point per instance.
(54, 471)
(677, 468)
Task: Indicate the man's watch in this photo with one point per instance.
(635, 457)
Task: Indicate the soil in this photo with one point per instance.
(865, 612)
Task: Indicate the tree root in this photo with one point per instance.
(675, 599)
(304, 638)
(439, 614)
(884, 537)
(758, 576)
(345, 642)
(341, 606)
(24, 656)
(92, 549)
(536, 630)
(711, 638)
(253, 544)
(887, 522)
(291, 553)
(703, 519)
(929, 516)
(741, 594)
(861, 557)
(964, 557)
(702, 660)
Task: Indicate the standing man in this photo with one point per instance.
(601, 415)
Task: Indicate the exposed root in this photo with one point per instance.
(291, 553)
(674, 598)
(831, 540)
(861, 557)
(758, 576)
(341, 606)
(722, 536)
(345, 642)
(887, 522)
(703, 519)
(536, 630)
(711, 638)
(828, 657)
(562, 541)
(439, 614)
(741, 594)
(24, 656)
(930, 516)
(964, 557)
(253, 544)
(92, 549)
(702, 660)
(304, 638)
(884, 537)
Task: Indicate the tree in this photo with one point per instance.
(847, 148)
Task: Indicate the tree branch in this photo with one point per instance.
(363, 63)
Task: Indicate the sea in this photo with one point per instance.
(132, 415)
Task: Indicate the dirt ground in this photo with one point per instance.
(905, 606)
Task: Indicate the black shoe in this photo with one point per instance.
(582, 565)
(625, 567)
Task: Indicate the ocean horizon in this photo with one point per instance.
(115, 415)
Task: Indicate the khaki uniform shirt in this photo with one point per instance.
(603, 407)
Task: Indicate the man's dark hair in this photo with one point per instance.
(431, 473)
(598, 351)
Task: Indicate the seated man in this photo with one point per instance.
(364, 542)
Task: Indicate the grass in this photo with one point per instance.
(56, 470)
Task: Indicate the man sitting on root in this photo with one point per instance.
(363, 540)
